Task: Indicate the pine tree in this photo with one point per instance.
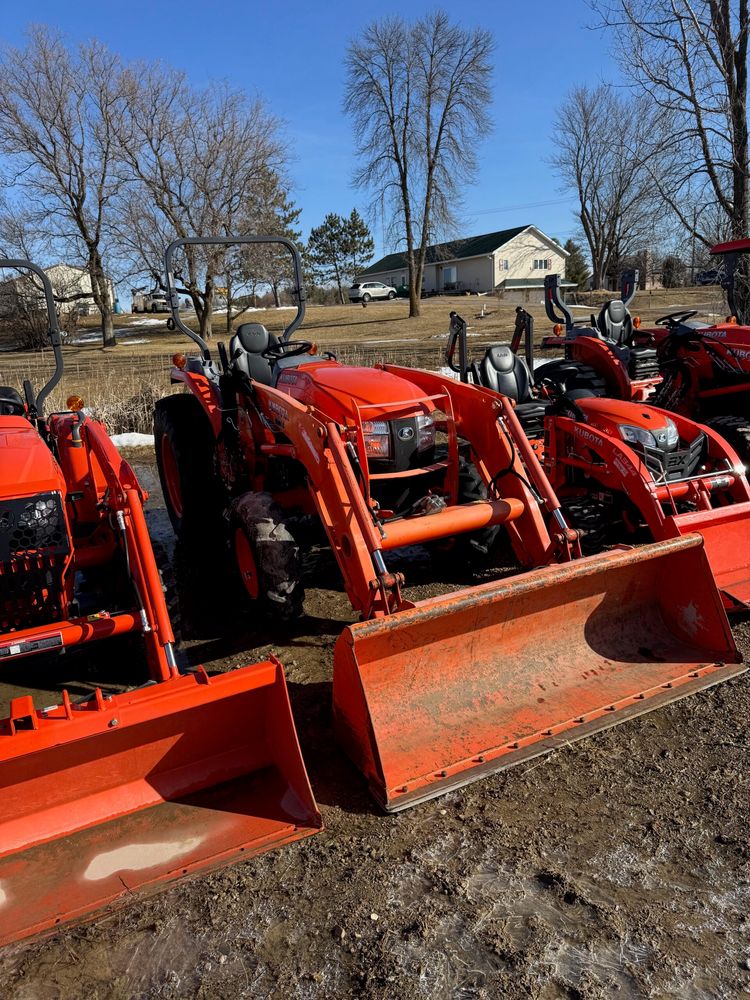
(338, 248)
(576, 268)
(359, 243)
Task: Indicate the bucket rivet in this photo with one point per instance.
(113, 723)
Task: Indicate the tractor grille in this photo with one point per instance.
(675, 465)
(34, 545)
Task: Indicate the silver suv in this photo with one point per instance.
(363, 291)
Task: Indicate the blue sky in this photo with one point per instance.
(292, 53)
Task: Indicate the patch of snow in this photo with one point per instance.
(133, 440)
(262, 309)
(134, 340)
(150, 322)
(86, 338)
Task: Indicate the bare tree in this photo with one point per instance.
(417, 96)
(58, 112)
(598, 134)
(690, 58)
(194, 159)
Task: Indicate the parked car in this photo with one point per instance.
(713, 276)
(363, 291)
(153, 301)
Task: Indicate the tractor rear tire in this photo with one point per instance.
(267, 557)
(572, 375)
(736, 431)
(185, 444)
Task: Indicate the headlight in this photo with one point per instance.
(636, 435)
(425, 432)
(673, 435)
(377, 438)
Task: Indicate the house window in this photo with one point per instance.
(504, 264)
(449, 275)
(542, 265)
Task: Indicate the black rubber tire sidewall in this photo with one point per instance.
(182, 419)
(736, 432)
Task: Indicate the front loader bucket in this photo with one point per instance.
(119, 795)
(726, 535)
(436, 696)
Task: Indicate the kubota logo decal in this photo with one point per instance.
(587, 435)
(280, 412)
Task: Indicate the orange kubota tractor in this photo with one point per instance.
(602, 354)
(624, 471)
(698, 370)
(706, 366)
(426, 695)
(115, 793)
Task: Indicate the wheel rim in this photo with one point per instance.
(246, 563)
(171, 476)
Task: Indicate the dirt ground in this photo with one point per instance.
(616, 867)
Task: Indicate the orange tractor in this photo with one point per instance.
(706, 366)
(624, 471)
(698, 370)
(276, 442)
(117, 792)
(603, 354)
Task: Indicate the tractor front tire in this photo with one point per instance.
(736, 432)
(267, 557)
(185, 444)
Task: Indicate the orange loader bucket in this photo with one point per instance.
(436, 696)
(726, 535)
(119, 795)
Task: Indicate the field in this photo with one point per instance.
(616, 867)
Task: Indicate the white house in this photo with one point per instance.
(511, 262)
(67, 281)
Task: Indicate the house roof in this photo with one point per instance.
(471, 246)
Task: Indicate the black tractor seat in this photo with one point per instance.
(246, 349)
(615, 323)
(507, 373)
(11, 404)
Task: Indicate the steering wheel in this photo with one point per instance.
(674, 319)
(287, 349)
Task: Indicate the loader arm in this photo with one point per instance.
(505, 461)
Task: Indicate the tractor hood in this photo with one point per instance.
(606, 413)
(28, 466)
(336, 389)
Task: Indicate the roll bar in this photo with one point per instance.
(229, 241)
(553, 300)
(629, 285)
(731, 251)
(53, 333)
